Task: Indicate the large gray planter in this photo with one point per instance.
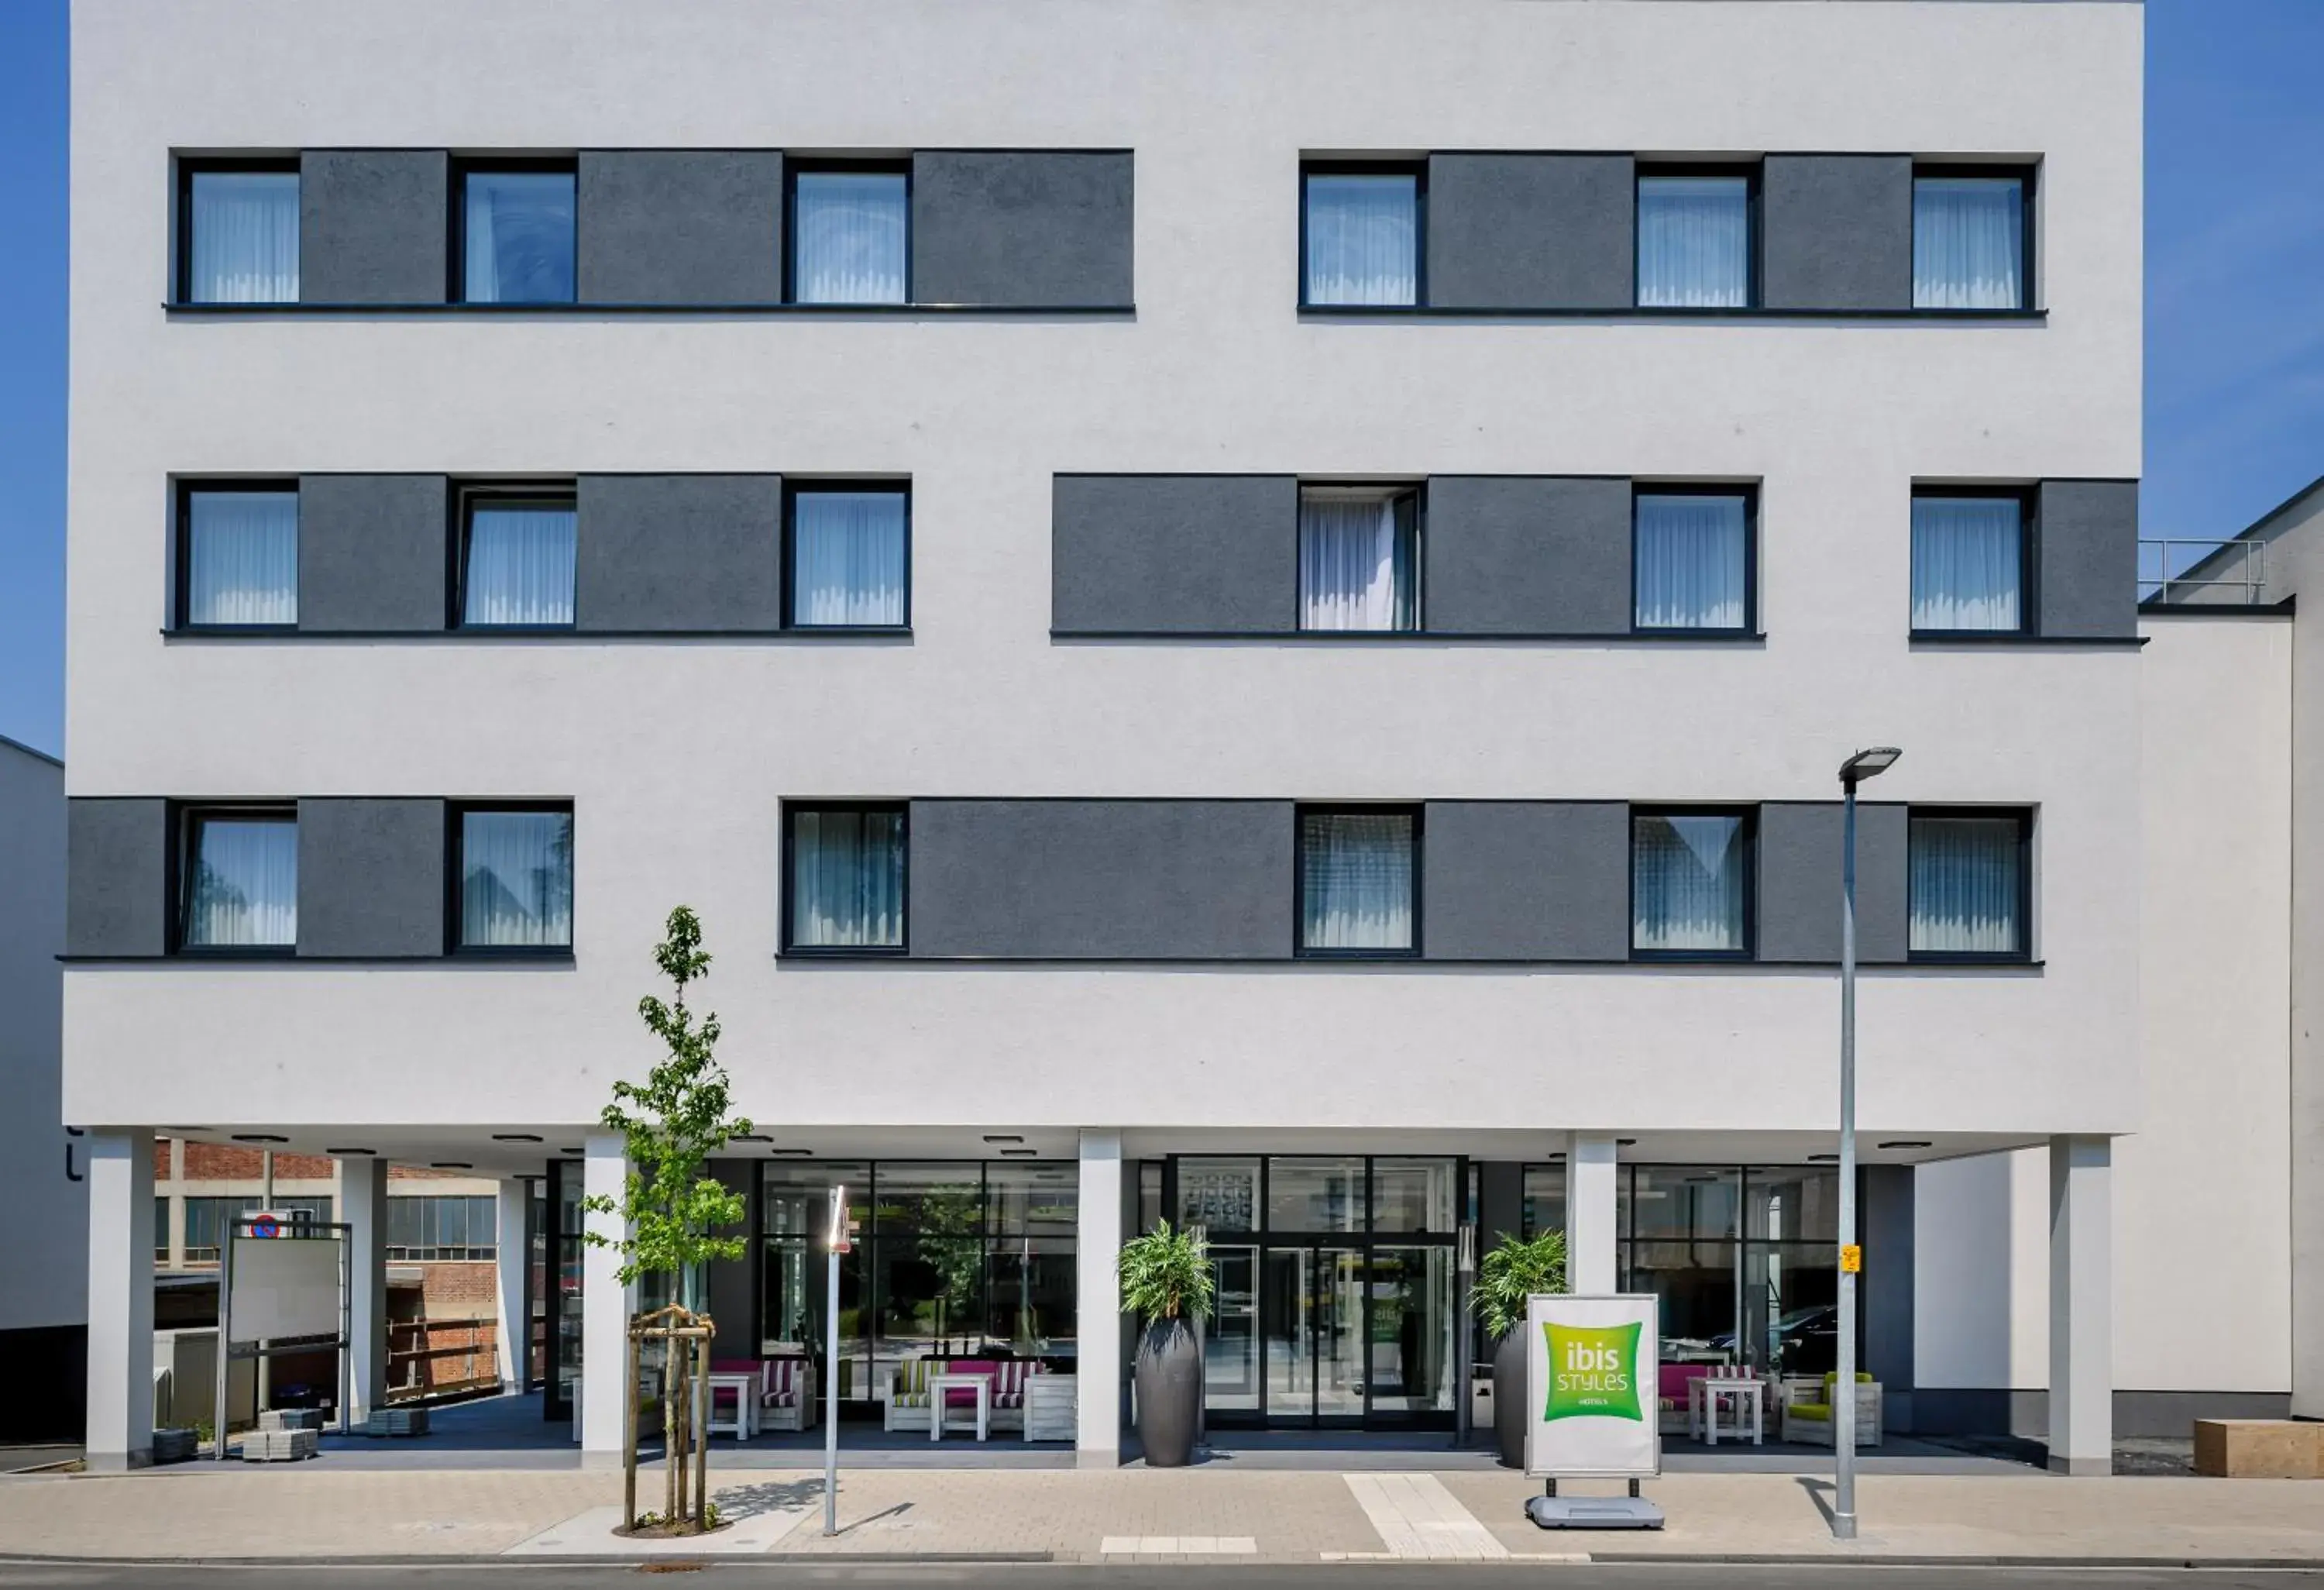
(1509, 1395)
(1169, 1392)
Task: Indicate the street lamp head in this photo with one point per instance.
(1868, 763)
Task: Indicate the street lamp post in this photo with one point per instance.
(1863, 765)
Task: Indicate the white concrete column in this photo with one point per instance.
(2081, 1305)
(515, 1326)
(120, 1300)
(1097, 1439)
(1592, 1265)
(605, 1306)
(363, 1188)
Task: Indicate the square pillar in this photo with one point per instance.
(1097, 1438)
(363, 1188)
(1592, 1265)
(513, 1328)
(604, 1306)
(120, 1300)
(2081, 1306)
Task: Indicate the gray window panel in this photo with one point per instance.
(1035, 228)
(116, 877)
(680, 227)
(1174, 554)
(1800, 845)
(373, 226)
(371, 556)
(371, 878)
(1527, 554)
(1838, 230)
(1528, 881)
(2086, 539)
(1102, 879)
(686, 552)
(1531, 231)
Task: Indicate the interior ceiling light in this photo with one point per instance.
(1907, 1143)
(372, 1151)
(258, 1137)
(450, 1165)
(516, 1137)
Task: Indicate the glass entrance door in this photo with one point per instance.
(1230, 1341)
(1312, 1311)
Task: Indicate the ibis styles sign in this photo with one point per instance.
(1591, 1368)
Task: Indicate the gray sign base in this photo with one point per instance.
(1594, 1513)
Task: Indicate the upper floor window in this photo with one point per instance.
(515, 872)
(238, 556)
(1362, 237)
(851, 236)
(1970, 236)
(433, 1227)
(516, 235)
(845, 869)
(1967, 885)
(1358, 874)
(1358, 557)
(238, 229)
(240, 879)
(1689, 884)
(1694, 240)
(850, 556)
(516, 560)
(1969, 562)
(1691, 560)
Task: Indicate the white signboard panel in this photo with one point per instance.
(285, 1286)
(1592, 1365)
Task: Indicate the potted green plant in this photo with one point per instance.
(1166, 1283)
(1516, 1268)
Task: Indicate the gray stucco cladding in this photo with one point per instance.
(373, 552)
(1531, 231)
(373, 226)
(1799, 872)
(1526, 880)
(1527, 555)
(2086, 540)
(680, 227)
(116, 877)
(1031, 228)
(1838, 232)
(678, 552)
(1175, 553)
(1101, 879)
(371, 878)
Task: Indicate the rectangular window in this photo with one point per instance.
(850, 237)
(240, 879)
(1358, 557)
(238, 556)
(1691, 560)
(1694, 241)
(850, 556)
(1689, 884)
(160, 1228)
(238, 235)
(1361, 237)
(434, 1228)
(516, 235)
(516, 560)
(846, 867)
(515, 874)
(1968, 563)
(1967, 882)
(1358, 869)
(1970, 241)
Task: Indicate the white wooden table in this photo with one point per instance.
(1746, 1398)
(744, 1425)
(939, 1403)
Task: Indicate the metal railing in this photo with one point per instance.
(2177, 571)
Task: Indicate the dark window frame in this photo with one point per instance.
(2026, 177)
(1755, 243)
(183, 548)
(182, 267)
(456, 267)
(185, 822)
(1416, 492)
(1749, 493)
(809, 486)
(1416, 813)
(539, 494)
(867, 166)
(1416, 168)
(1746, 835)
(2029, 563)
(2024, 817)
(790, 946)
(456, 815)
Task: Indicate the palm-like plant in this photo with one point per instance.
(1165, 1274)
(1513, 1272)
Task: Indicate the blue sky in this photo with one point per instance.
(2235, 295)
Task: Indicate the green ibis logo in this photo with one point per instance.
(1593, 1372)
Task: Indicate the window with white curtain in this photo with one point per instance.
(1969, 243)
(240, 556)
(240, 879)
(848, 558)
(1362, 237)
(516, 237)
(516, 878)
(516, 566)
(1357, 882)
(1966, 883)
(1358, 557)
(241, 242)
(846, 877)
(851, 237)
(1691, 560)
(1690, 882)
(1694, 242)
(1968, 563)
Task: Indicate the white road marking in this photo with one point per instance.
(1417, 1517)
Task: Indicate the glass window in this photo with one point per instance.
(847, 877)
(1416, 1194)
(848, 235)
(242, 555)
(435, 1228)
(1032, 1198)
(1792, 1203)
(1688, 1201)
(1315, 1195)
(1968, 563)
(1032, 1305)
(1694, 242)
(1688, 874)
(160, 1228)
(1356, 880)
(1222, 1195)
(241, 880)
(1692, 558)
(517, 569)
(241, 237)
(516, 879)
(1967, 880)
(848, 559)
(945, 1197)
(516, 237)
(1359, 559)
(1363, 237)
(1542, 1205)
(1969, 243)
